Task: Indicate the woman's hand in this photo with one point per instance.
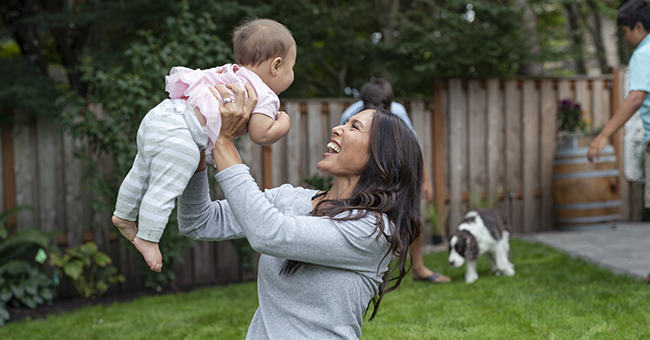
(234, 122)
(235, 113)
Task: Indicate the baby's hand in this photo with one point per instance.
(281, 115)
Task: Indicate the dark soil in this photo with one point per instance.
(64, 305)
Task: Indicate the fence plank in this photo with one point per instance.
(582, 96)
(421, 120)
(564, 90)
(598, 117)
(477, 138)
(335, 111)
(227, 263)
(530, 157)
(513, 151)
(72, 170)
(204, 268)
(457, 151)
(315, 139)
(50, 175)
(548, 135)
(495, 137)
(293, 144)
(25, 171)
(278, 162)
(2, 172)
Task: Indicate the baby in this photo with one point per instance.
(171, 136)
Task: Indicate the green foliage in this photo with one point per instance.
(320, 182)
(24, 89)
(88, 268)
(481, 202)
(22, 284)
(433, 216)
(22, 244)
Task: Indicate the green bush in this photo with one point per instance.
(21, 282)
(88, 268)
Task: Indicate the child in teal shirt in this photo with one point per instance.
(634, 20)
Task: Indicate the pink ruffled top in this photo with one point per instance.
(193, 85)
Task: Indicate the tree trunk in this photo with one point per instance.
(597, 35)
(534, 67)
(576, 37)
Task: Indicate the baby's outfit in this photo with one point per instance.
(170, 139)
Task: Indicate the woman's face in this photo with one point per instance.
(349, 148)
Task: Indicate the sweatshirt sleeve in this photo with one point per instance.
(202, 219)
(349, 245)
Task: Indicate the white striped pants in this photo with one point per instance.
(169, 141)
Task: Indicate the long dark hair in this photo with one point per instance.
(390, 185)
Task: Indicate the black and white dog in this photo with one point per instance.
(484, 231)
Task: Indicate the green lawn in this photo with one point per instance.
(552, 296)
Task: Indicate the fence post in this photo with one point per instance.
(438, 157)
(618, 94)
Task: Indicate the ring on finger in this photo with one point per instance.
(226, 101)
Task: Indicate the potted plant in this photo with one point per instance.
(432, 216)
(572, 118)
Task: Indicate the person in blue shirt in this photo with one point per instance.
(634, 20)
(379, 93)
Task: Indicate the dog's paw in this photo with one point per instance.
(471, 278)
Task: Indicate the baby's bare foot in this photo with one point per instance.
(128, 229)
(150, 252)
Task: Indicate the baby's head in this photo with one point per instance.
(267, 48)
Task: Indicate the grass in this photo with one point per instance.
(552, 296)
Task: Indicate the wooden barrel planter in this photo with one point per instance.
(585, 195)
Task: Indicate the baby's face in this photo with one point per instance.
(284, 76)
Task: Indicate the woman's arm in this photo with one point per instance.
(200, 218)
(349, 244)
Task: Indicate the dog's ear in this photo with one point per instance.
(471, 248)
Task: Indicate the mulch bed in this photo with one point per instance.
(64, 305)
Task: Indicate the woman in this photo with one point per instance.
(324, 255)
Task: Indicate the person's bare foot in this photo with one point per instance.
(128, 229)
(150, 252)
(646, 278)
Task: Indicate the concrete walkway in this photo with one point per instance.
(624, 249)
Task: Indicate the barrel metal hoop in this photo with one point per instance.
(590, 219)
(596, 226)
(590, 205)
(573, 151)
(587, 174)
(584, 160)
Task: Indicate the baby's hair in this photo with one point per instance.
(634, 11)
(258, 40)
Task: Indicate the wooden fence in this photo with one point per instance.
(477, 136)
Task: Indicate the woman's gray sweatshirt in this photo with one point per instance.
(344, 262)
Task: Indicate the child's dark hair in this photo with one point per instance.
(377, 92)
(634, 11)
